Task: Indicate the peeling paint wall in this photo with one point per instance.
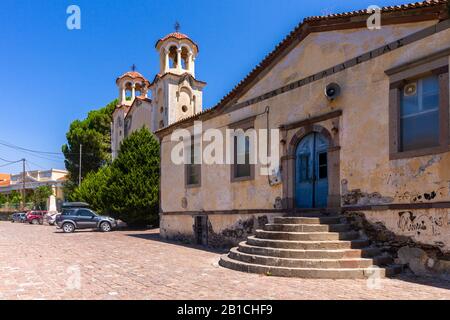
(320, 51)
(363, 136)
(224, 231)
(429, 227)
(367, 175)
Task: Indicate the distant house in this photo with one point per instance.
(34, 179)
(5, 179)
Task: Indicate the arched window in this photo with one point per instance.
(184, 58)
(128, 91)
(173, 56)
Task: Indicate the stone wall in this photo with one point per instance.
(223, 230)
(419, 239)
(426, 227)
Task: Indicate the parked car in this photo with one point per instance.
(18, 217)
(35, 217)
(68, 205)
(50, 218)
(23, 217)
(74, 218)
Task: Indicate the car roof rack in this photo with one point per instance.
(67, 205)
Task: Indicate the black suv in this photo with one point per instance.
(72, 218)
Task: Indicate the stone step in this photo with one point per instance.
(309, 254)
(308, 220)
(310, 273)
(307, 236)
(307, 227)
(308, 245)
(235, 254)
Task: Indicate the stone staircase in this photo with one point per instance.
(309, 245)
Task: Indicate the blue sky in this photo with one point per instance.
(50, 76)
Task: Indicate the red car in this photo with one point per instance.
(36, 217)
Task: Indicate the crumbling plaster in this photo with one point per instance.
(363, 131)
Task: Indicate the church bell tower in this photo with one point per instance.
(176, 93)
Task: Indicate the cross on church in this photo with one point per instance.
(133, 67)
(177, 26)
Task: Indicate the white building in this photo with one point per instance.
(174, 94)
(37, 178)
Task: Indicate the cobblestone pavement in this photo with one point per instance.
(39, 262)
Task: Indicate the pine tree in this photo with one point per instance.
(132, 193)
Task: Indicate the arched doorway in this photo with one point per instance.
(311, 171)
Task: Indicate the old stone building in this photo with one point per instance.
(363, 120)
(173, 95)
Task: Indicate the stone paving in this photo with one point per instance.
(39, 262)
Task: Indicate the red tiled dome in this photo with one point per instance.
(133, 75)
(178, 36)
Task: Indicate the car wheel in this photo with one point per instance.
(105, 227)
(35, 221)
(68, 227)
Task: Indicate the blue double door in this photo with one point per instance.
(311, 179)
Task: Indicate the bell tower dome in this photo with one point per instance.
(176, 91)
(131, 84)
(177, 53)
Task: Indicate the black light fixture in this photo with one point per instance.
(332, 91)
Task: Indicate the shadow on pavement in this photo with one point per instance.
(154, 236)
(433, 281)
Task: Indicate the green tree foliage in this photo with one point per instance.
(14, 198)
(94, 134)
(128, 189)
(133, 187)
(3, 199)
(40, 196)
(93, 189)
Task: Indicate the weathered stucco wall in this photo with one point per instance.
(367, 176)
(320, 51)
(141, 117)
(429, 227)
(216, 191)
(363, 136)
(224, 230)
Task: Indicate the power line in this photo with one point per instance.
(10, 145)
(8, 164)
(42, 157)
(13, 146)
(11, 161)
(37, 165)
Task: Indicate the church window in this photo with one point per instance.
(193, 168)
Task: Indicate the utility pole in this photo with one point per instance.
(79, 166)
(23, 185)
